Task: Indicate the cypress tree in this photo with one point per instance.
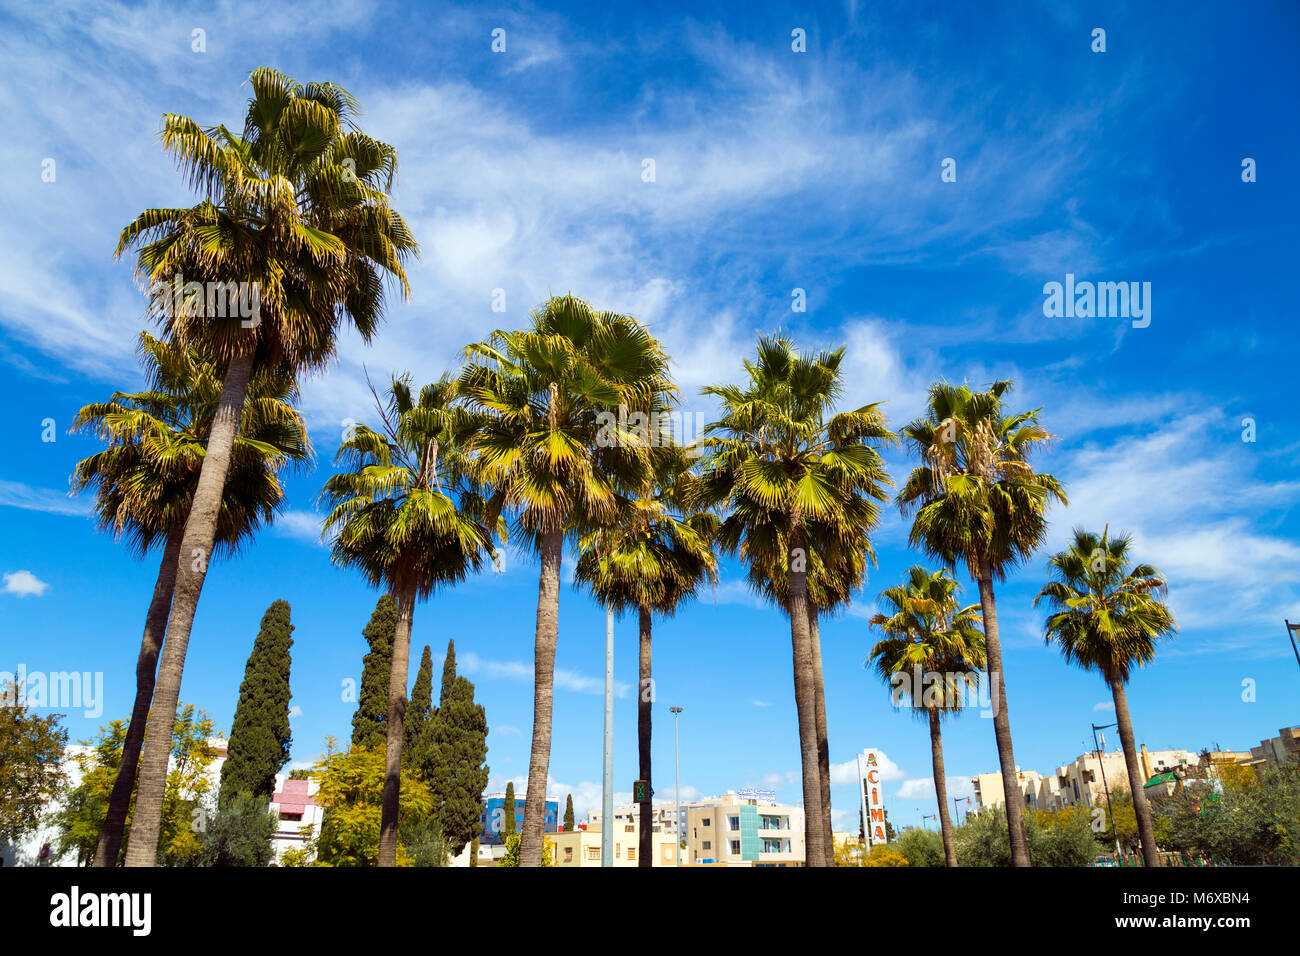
(419, 710)
(368, 723)
(509, 811)
(259, 734)
(568, 814)
(455, 768)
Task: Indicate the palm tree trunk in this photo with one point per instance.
(823, 746)
(396, 713)
(645, 854)
(1015, 801)
(941, 790)
(1136, 778)
(192, 567)
(146, 664)
(547, 636)
(805, 699)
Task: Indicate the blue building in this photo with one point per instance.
(493, 815)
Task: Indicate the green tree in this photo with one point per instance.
(1108, 617)
(548, 393)
(240, 833)
(978, 502)
(31, 764)
(508, 810)
(420, 711)
(455, 750)
(144, 484)
(788, 471)
(1254, 822)
(568, 814)
(409, 519)
(259, 733)
(651, 558)
(295, 212)
(513, 843)
(932, 649)
(922, 847)
(372, 701)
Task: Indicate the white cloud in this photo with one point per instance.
(295, 711)
(846, 774)
(24, 584)
(921, 788)
(471, 663)
(762, 703)
(15, 494)
(1103, 705)
(301, 525)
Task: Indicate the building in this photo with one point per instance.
(1277, 750)
(581, 847)
(492, 817)
(663, 816)
(738, 830)
(1082, 782)
(300, 816)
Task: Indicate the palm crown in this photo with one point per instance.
(145, 480)
(1108, 611)
(926, 628)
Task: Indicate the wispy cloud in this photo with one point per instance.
(15, 494)
(24, 584)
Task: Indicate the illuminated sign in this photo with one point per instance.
(872, 797)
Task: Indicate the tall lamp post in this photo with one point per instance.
(607, 804)
(1101, 762)
(1291, 631)
(677, 784)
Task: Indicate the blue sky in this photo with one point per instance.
(774, 170)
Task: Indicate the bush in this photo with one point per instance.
(1055, 838)
(921, 847)
(240, 834)
(1254, 822)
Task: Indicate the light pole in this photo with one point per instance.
(1291, 631)
(1101, 762)
(677, 784)
(607, 804)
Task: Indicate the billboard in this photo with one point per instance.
(872, 797)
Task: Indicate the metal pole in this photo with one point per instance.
(677, 784)
(1114, 827)
(1290, 632)
(607, 805)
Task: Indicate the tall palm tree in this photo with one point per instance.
(978, 502)
(651, 559)
(294, 213)
(405, 515)
(1108, 617)
(144, 485)
(930, 637)
(552, 457)
(789, 472)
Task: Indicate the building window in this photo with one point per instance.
(735, 848)
(593, 853)
(708, 845)
(568, 854)
(733, 823)
(631, 853)
(706, 821)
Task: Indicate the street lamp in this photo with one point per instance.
(607, 804)
(1114, 829)
(677, 785)
(1291, 631)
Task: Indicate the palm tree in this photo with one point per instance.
(793, 478)
(931, 638)
(144, 485)
(651, 558)
(406, 516)
(1108, 617)
(557, 453)
(295, 215)
(977, 501)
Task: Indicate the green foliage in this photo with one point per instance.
(419, 710)
(371, 718)
(260, 734)
(921, 847)
(455, 748)
(885, 855)
(1121, 819)
(31, 764)
(1254, 822)
(186, 803)
(1055, 838)
(239, 833)
(568, 814)
(508, 810)
(512, 852)
(351, 792)
(423, 841)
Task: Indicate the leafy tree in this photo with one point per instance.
(240, 833)
(978, 502)
(792, 476)
(651, 558)
(508, 810)
(921, 847)
(372, 702)
(410, 520)
(260, 734)
(1108, 617)
(455, 750)
(513, 842)
(420, 711)
(1121, 821)
(144, 485)
(351, 791)
(295, 207)
(882, 855)
(422, 839)
(1053, 837)
(568, 814)
(930, 636)
(31, 764)
(547, 393)
(1254, 822)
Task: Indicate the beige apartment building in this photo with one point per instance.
(582, 847)
(743, 831)
(1082, 782)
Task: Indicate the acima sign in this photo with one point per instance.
(873, 798)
